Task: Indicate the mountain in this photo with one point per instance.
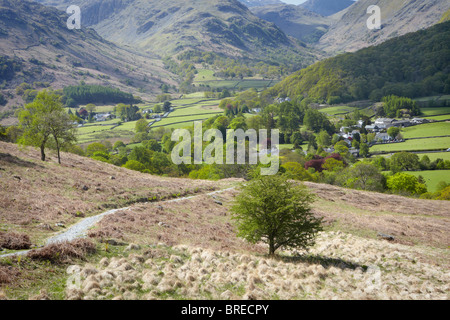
(327, 7)
(398, 17)
(413, 65)
(259, 3)
(171, 26)
(37, 47)
(295, 21)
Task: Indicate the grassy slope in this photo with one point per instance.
(48, 193)
(433, 177)
(427, 130)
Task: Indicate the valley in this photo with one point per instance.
(93, 205)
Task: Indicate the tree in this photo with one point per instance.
(405, 161)
(364, 150)
(394, 105)
(44, 118)
(296, 171)
(276, 211)
(332, 164)
(364, 176)
(405, 183)
(118, 144)
(141, 126)
(152, 145)
(316, 121)
(95, 147)
(323, 139)
(167, 106)
(62, 130)
(393, 132)
(134, 165)
(90, 108)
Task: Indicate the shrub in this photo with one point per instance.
(134, 165)
(14, 241)
(405, 183)
(63, 252)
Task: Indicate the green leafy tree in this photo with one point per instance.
(316, 121)
(323, 139)
(152, 145)
(405, 183)
(118, 144)
(405, 161)
(134, 165)
(45, 118)
(276, 211)
(238, 123)
(95, 147)
(296, 171)
(141, 126)
(364, 176)
(393, 132)
(364, 150)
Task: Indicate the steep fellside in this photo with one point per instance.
(326, 7)
(295, 21)
(171, 26)
(37, 46)
(398, 17)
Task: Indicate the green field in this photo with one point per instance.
(427, 130)
(417, 144)
(432, 177)
(438, 118)
(332, 111)
(205, 75)
(436, 155)
(427, 112)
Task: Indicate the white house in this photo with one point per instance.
(102, 116)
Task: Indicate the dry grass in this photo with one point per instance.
(341, 266)
(410, 221)
(14, 241)
(36, 195)
(63, 252)
(199, 222)
(8, 274)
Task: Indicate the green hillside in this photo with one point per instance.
(413, 65)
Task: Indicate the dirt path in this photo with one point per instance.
(79, 229)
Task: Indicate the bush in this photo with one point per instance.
(63, 252)
(405, 183)
(14, 241)
(296, 171)
(134, 165)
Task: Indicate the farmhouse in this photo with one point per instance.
(383, 137)
(402, 123)
(102, 116)
(384, 123)
(418, 121)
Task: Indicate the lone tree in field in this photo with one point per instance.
(276, 211)
(44, 122)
